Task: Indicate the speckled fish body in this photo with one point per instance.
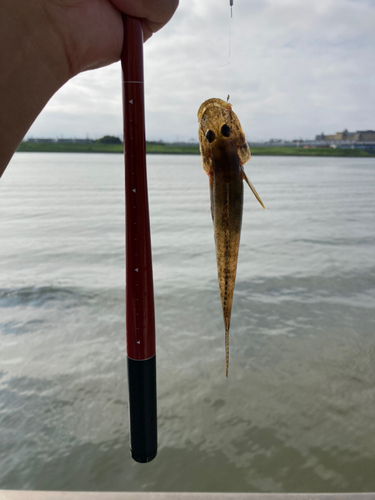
(224, 151)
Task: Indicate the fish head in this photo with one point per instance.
(220, 127)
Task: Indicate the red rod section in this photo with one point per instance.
(140, 322)
(140, 316)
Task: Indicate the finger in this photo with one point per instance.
(154, 13)
(149, 28)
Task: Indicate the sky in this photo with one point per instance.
(293, 69)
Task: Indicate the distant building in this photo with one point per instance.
(75, 141)
(360, 135)
(61, 141)
(367, 135)
(41, 140)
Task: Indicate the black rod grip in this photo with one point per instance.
(142, 409)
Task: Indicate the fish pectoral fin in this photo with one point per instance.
(252, 189)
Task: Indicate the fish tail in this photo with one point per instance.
(226, 351)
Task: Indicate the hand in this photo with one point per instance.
(44, 43)
(91, 31)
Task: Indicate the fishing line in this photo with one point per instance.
(230, 49)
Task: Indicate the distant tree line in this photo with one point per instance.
(109, 139)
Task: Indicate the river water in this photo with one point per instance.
(297, 412)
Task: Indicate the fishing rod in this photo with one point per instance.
(140, 316)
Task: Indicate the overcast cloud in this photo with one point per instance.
(297, 69)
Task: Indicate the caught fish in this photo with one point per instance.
(224, 151)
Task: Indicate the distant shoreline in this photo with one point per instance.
(175, 149)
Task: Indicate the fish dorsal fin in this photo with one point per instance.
(253, 189)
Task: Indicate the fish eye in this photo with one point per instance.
(225, 130)
(210, 136)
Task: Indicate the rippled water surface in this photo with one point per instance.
(297, 412)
